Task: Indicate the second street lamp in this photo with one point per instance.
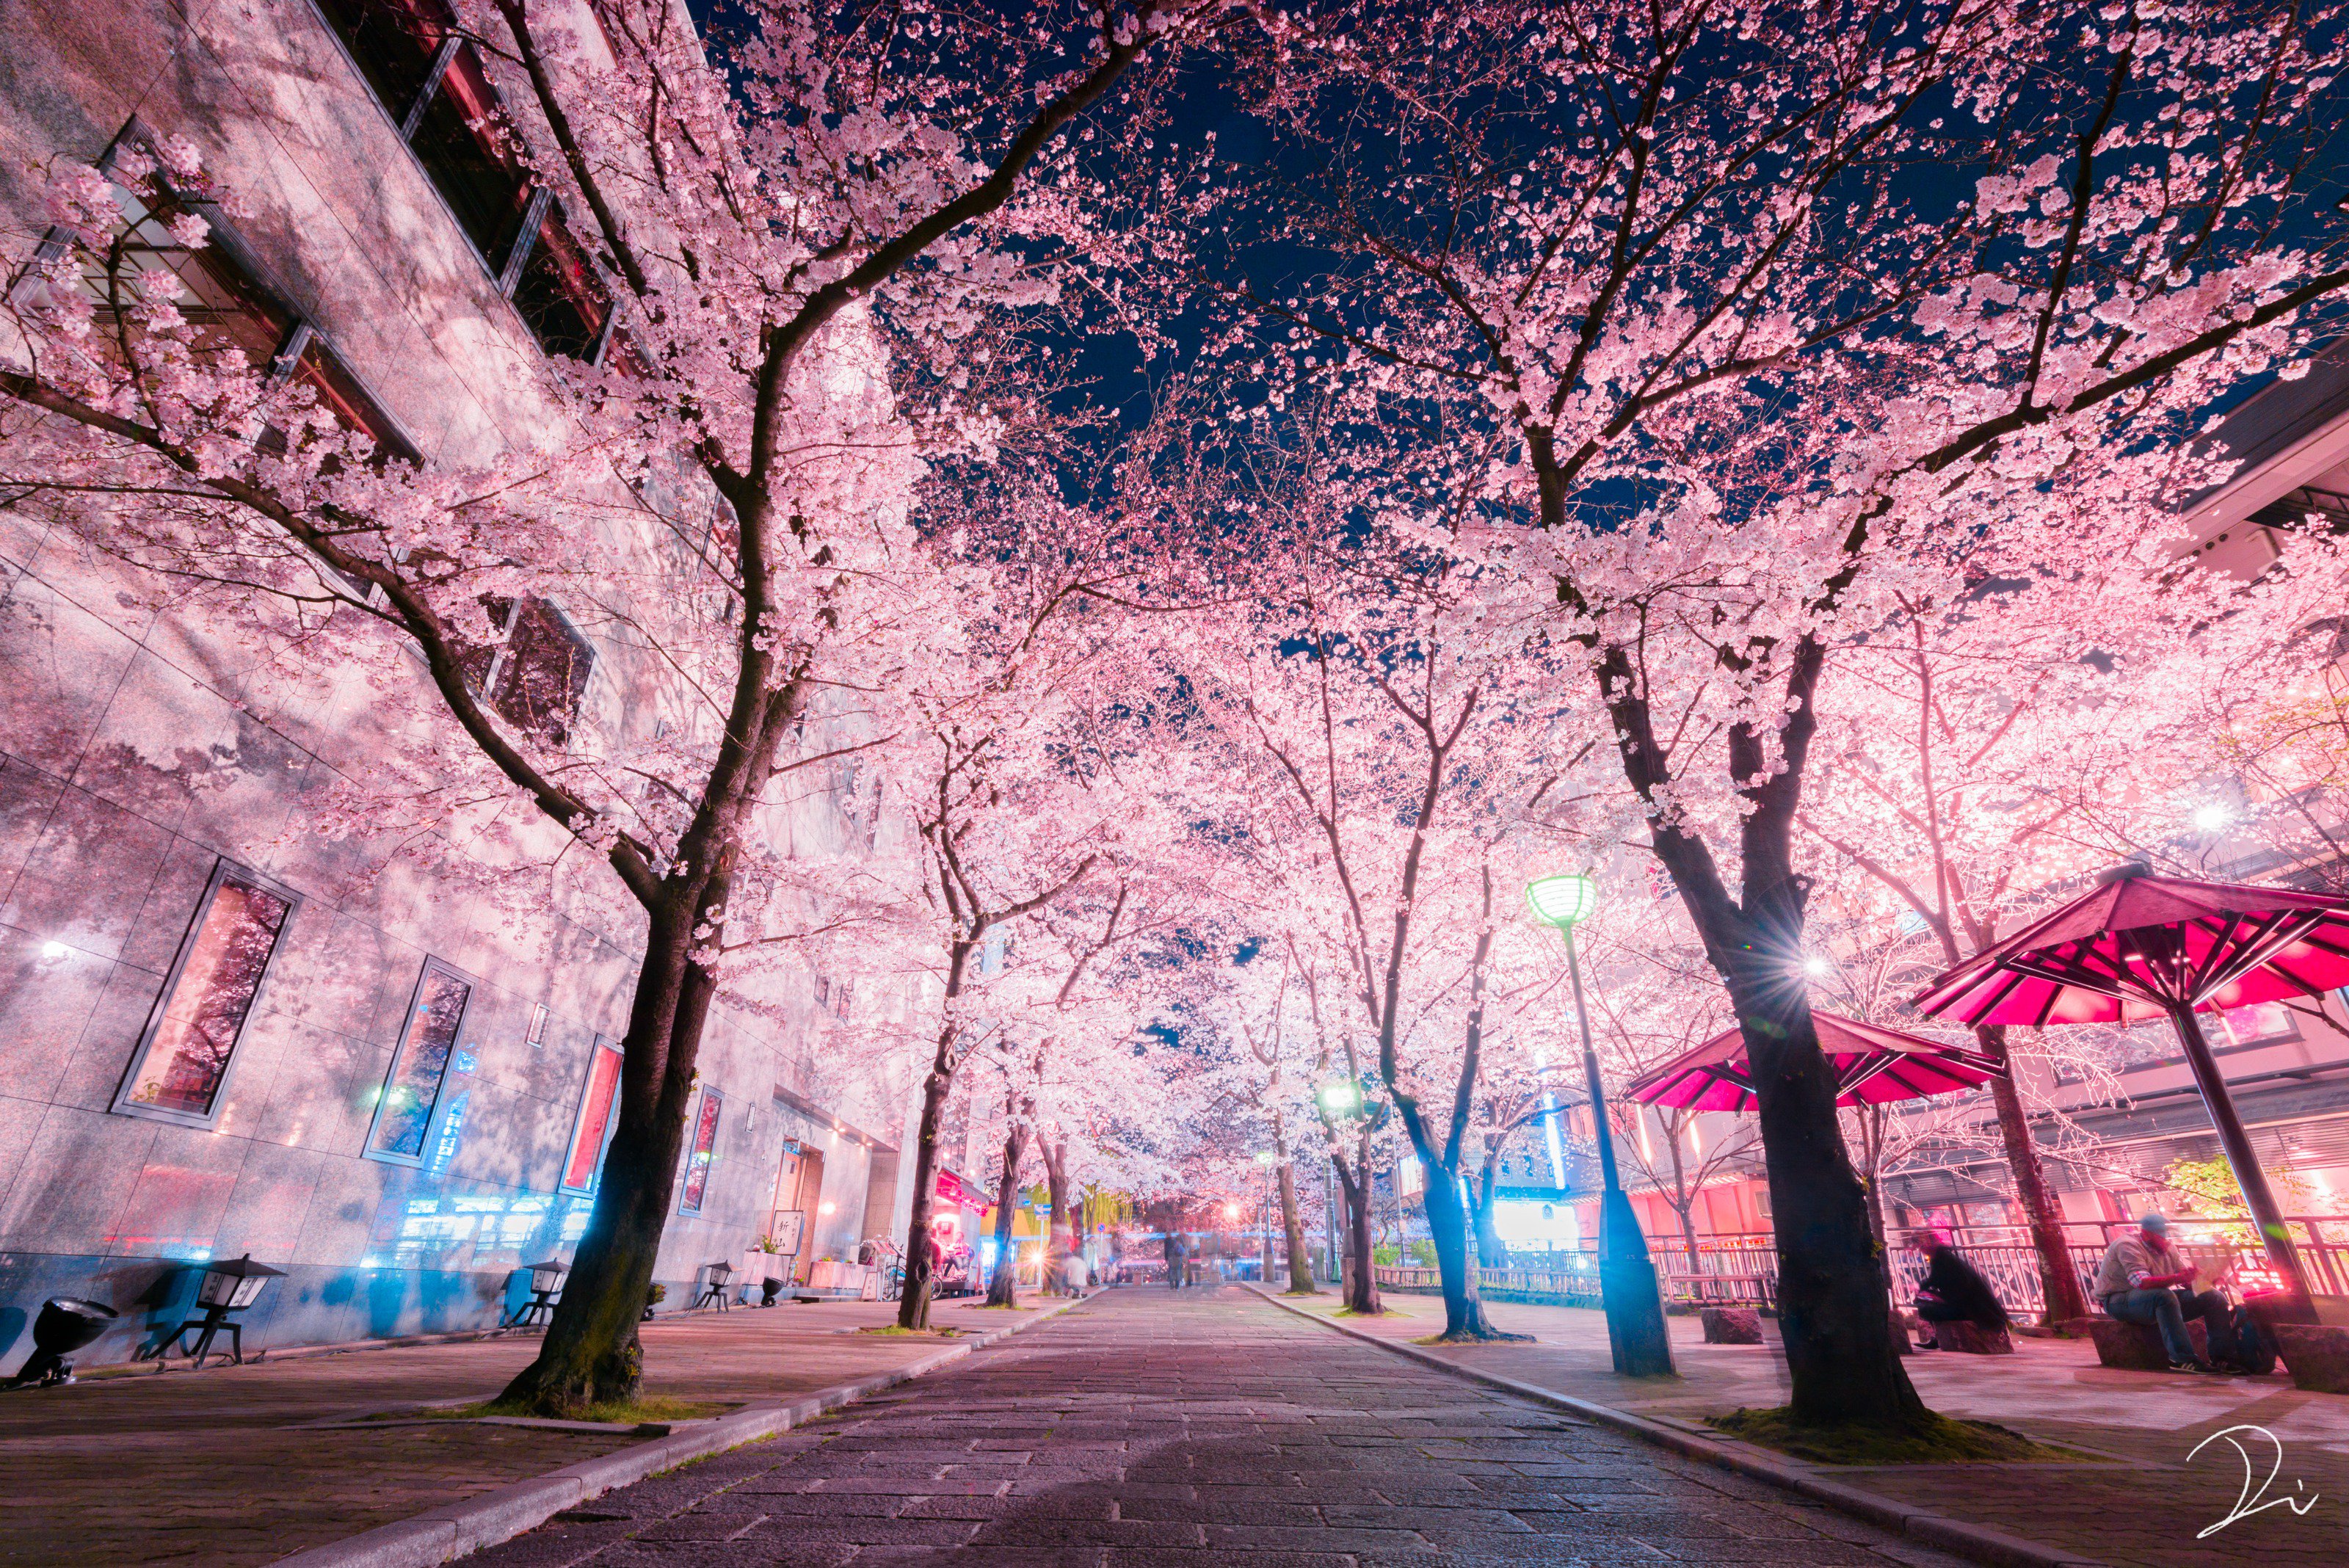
(1627, 1276)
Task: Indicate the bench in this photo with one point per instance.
(1972, 1339)
(1731, 1324)
(2137, 1347)
(2316, 1357)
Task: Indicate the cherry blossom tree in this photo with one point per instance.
(1388, 768)
(819, 240)
(1742, 314)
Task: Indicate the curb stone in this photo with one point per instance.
(458, 1529)
(1981, 1543)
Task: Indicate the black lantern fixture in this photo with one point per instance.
(227, 1287)
(713, 1291)
(545, 1280)
(64, 1325)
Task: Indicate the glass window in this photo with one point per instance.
(562, 301)
(593, 1134)
(229, 308)
(427, 1042)
(703, 1152)
(183, 1059)
(461, 140)
(393, 43)
(535, 673)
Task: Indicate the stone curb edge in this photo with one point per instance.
(458, 1529)
(1979, 1542)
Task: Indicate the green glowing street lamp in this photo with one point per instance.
(1627, 1276)
(1342, 1097)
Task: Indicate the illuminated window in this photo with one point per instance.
(702, 1154)
(184, 1055)
(420, 1069)
(433, 83)
(590, 1134)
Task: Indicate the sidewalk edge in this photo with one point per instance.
(1979, 1542)
(444, 1534)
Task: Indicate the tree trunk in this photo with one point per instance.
(1059, 1229)
(2059, 1282)
(1000, 1286)
(1871, 1126)
(1362, 1287)
(591, 1354)
(1683, 1201)
(1490, 1252)
(1834, 1312)
(914, 1305)
(1300, 1257)
(1447, 1221)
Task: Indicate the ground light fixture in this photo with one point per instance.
(546, 1279)
(65, 1323)
(1628, 1285)
(228, 1286)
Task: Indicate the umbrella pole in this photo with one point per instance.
(2237, 1144)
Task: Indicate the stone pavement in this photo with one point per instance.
(222, 1468)
(2145, 1508)
(1190, 1430)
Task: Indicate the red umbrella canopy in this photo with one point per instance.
(1872, 1066)
(2139, 946)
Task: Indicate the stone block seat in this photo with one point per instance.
(2137, 1346)
(1973, 1339)
(2317, 1356)
(1731, 1324)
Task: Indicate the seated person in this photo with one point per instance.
(2143, 1279)
(1953, 1291)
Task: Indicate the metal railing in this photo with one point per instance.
(1564, 1287)
(2012, 1266)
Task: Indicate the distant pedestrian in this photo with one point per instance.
(1953, 1290)
(1175, 1251)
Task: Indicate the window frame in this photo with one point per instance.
(301, 335)
(501, 662)
(431, 966)
(691, 1204)
(602, 1048)
(536, 209)
(223, 868)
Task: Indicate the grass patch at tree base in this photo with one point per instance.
(1494, 1336)
(615, 1412)
(913, 1332)
(1382, 1311)
(1934, 1440)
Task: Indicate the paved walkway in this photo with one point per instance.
(2144, 1509)
(224, 1468)
(1148, 1428)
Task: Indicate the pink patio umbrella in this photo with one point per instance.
(1873, 1066)
(2140, 946)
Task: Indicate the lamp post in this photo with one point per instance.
(1268, 1160)
(1627, 1276)
(1340, 1098)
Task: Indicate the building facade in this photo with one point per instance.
(218, 1039)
